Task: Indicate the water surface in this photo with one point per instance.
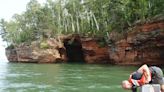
(16, 77)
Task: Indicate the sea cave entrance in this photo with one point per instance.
(74, 50)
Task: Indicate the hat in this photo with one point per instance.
(136, 75)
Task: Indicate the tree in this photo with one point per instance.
(85, 17)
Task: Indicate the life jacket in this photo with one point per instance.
(139, 82)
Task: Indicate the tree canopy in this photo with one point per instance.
(85, 17)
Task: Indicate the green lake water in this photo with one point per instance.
(16, 77)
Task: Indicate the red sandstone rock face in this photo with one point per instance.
(11, 55)
(145, 44)
(56, 51)
(93, 52)
(34, 54)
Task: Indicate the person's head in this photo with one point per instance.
(126, 84)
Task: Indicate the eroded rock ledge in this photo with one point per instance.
(70, 48)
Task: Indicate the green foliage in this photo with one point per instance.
(85, 17)
(11, 46)
(44, 45)
(102, 43)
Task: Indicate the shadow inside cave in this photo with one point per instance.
(74, 50)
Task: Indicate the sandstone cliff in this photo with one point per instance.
(62, 49)
(144, 44)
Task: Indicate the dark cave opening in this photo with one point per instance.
(74, 51)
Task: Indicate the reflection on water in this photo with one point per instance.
(3, 74)
(62, 77)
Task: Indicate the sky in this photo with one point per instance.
(7, 9)
(2, 51)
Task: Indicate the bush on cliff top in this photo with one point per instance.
(44, 45)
